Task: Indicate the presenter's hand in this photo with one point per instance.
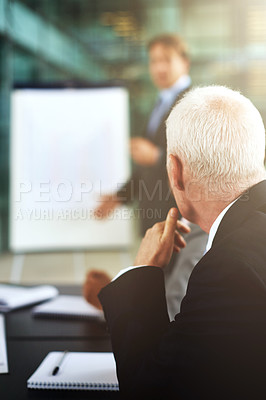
(95, 281)
(161, 240)
(143, 151)
(107, 204)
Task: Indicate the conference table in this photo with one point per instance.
(30, 339)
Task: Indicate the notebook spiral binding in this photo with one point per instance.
(73, 386)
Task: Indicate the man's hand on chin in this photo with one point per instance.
(161, 240)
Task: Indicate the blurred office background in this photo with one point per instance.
(43, 41)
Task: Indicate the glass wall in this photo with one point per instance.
(89, 40)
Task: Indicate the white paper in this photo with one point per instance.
(12, 297)
(3, 352)
(66, 305)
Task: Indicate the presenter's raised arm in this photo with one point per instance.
(107, 205)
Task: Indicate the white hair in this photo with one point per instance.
(220, 136)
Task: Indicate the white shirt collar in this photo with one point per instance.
(215, 226)
(179, 86)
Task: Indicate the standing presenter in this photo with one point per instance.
(169, 71)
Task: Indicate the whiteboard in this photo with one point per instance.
(69, 146)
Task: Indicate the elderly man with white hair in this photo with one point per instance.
(216, 346)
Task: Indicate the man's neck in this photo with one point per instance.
(216, 224)
(208, 213)
(208, 209)
(207, 206)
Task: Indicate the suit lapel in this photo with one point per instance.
(165, 116)
(254, 198)
(161, 126)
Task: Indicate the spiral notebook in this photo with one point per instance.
(78, 371)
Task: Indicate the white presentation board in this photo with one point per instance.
(69, 146)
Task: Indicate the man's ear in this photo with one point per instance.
(175, 172)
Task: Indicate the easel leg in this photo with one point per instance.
(17, 268)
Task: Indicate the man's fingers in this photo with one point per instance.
(182, 227)
(99, 212)
(170, 224)
(179, 240)
(176, 249)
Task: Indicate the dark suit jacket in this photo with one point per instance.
(216, 347)
(149, 184)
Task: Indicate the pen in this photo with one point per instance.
(56, 368)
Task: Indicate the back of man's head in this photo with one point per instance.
(220, 136)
